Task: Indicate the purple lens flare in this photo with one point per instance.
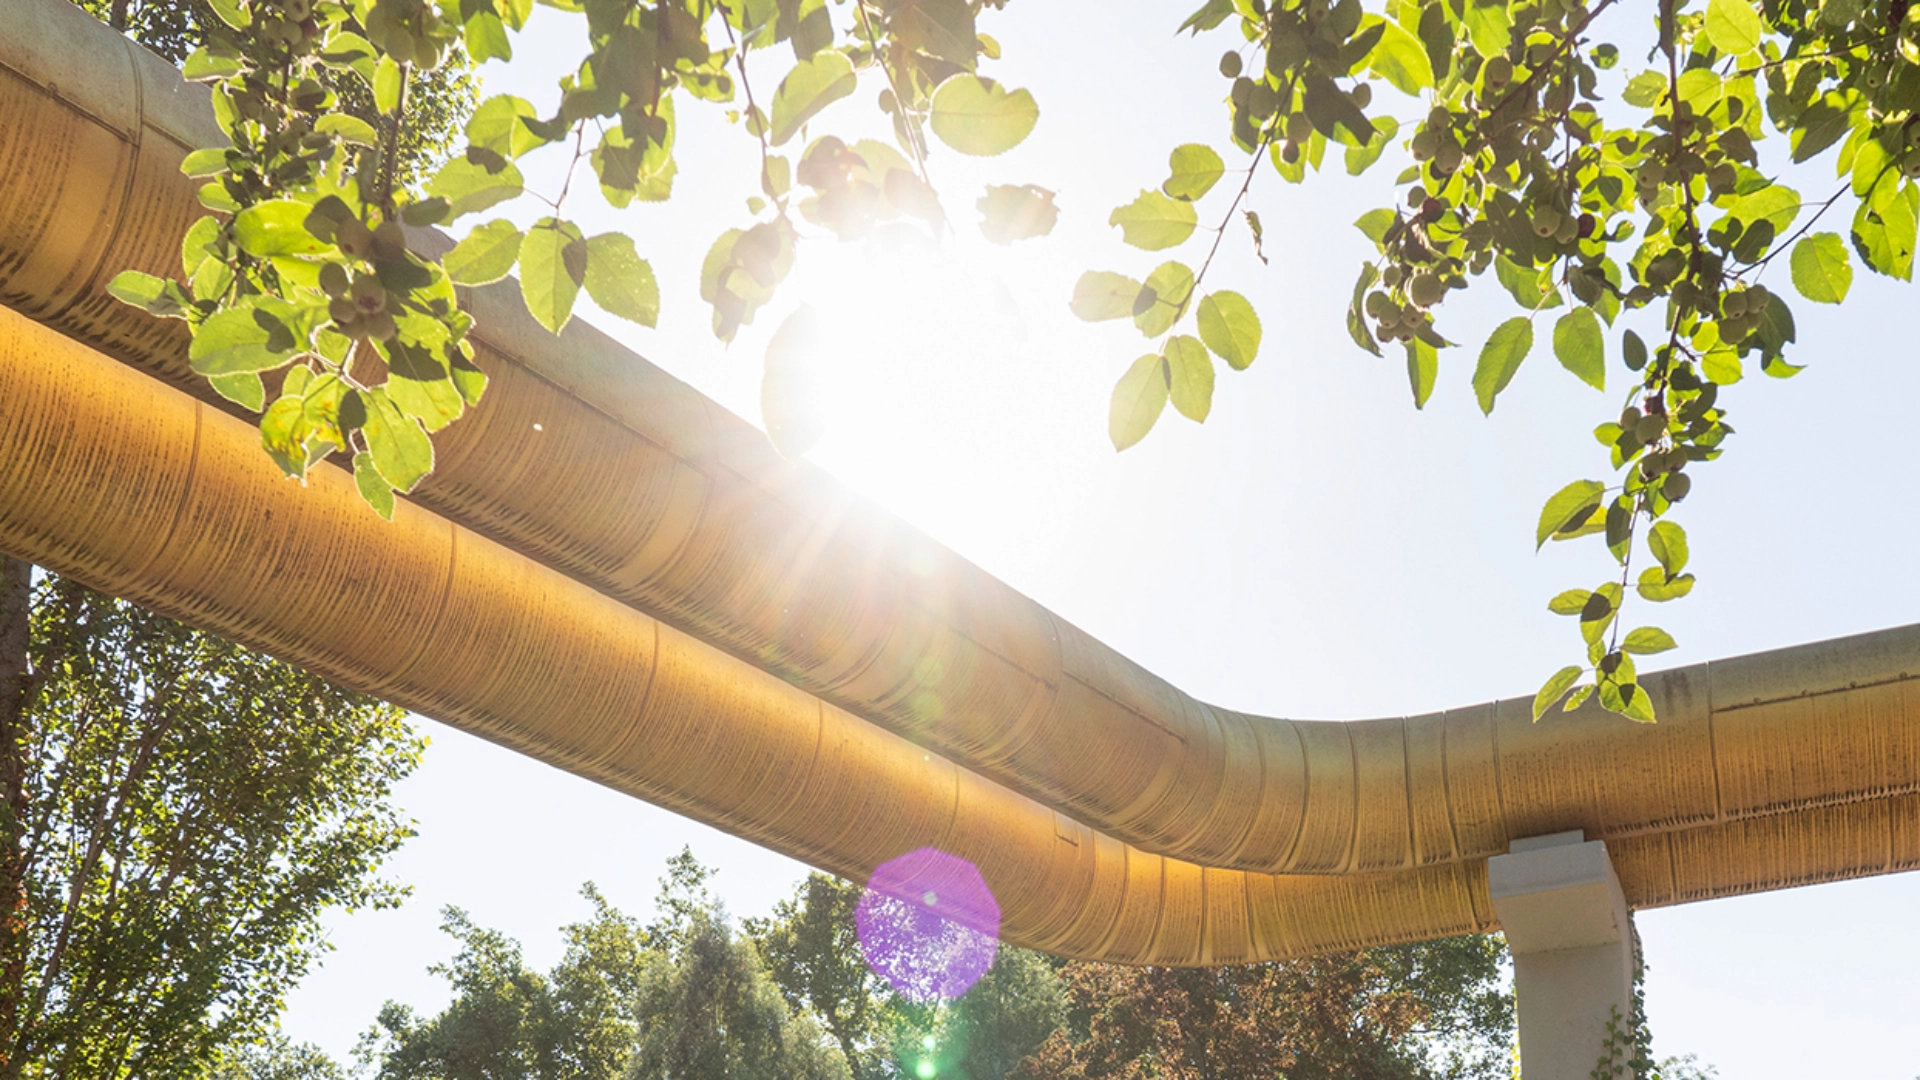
(928, 925)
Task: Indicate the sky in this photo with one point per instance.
(1318, 548)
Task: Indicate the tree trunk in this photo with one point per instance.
(16, 606)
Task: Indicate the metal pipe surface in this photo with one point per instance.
(134, 488)
(638, 486)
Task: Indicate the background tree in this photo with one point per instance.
(680, 997)
(812, 951)
(179, 812)
(984, 1035)
(1411, 1012)
(276, 1058)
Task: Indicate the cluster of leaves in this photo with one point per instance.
(1658, 202)
(304, 298)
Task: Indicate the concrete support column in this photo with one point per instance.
(1559, 902)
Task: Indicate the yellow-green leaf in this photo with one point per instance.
(1195, 168)
(980, 117)
(485, 256)
(1581, 496)
(1189, 376)
(1821, 269)
(1506, 347)
(1581, 347)
(1556, 687)
(811, 86)
(1154, 222)
(620, 281)
(1100, 295)
(1163, 299)
(1138, 399)
(1733, 26)
(1230, 327)
(553, 266)
(1648, 640)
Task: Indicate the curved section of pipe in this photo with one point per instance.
(134, 488)
(589, 460)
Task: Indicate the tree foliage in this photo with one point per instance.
(1622, 195)
(180, 811)
(1408, 1012)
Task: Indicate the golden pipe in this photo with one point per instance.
(134, 488)
(588, 459)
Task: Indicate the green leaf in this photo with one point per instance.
(1361, 158)
(553, 266)
(233, 13)
(620, 281)
(1138, 399)
(485, 256)
(1821, 270)
(1579, 497)
(373, 487)
(1010, 212)
(240, 339)
(810, 87)
(1100, 295)
(1506, 347)
(1555, 687)
(401, 449)
(1230, 327)
(977, 116)
(1423, 368)
(498, 125)
(386, 85)
(1154, 222)
(205, 66)
(1733, 26)
(1356, 319)
(470, 187)
(1531, 289)
(348, 128)
(154, 295)
(1163, 299)
(1571, 602)
(244, 389)
(1488, 26)
(1189, 376)
(1400, 59)
(1581, 347)
(1669, 545)
(1644, 89)
(1195, 169)
(486, 38)
(211, 161)
(276, 227)
(1655, 586)
(1648, 640)
(1374, 223)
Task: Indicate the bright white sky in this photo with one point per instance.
(1317, 549)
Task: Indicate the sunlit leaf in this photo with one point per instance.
(1163, 298)
(1580, 346)
(810, 87)
(1155, 222)
(1100, 295)
(1138, 399)
(1733, 26)
(246, 338)
(372, 486)
(471, 186)
(980, 117)
(276, 227)
(401, 449)
(1194, 169)
(486, 255)
(1189, 376)
(1647, 640)
(1821, 270)
(1506, 347)
(553, 266)
(1230, 327)
(499, 125)
(1577, 497)
(1010, 212)
(1554, 689)
(1668, 542)
(620, 281)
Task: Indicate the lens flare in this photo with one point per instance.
(928, 925)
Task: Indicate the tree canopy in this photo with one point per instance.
(180, 811)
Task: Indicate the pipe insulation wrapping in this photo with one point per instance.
(134, 488)
(639, 487)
